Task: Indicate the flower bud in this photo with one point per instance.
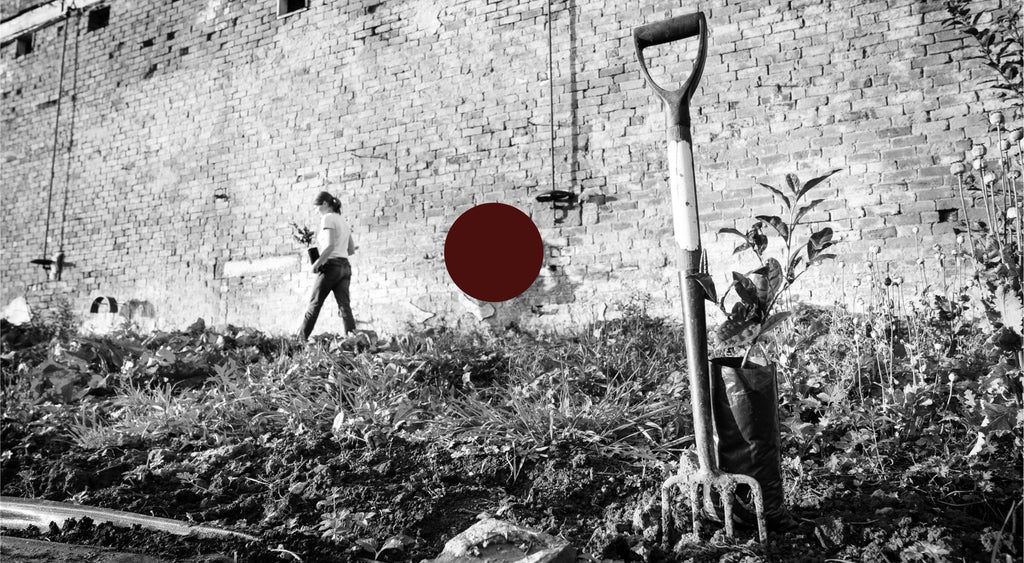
(888, 281)
(915, 229)
(842, 265)
(957, 168)
(875, 250)
(1005, 145)
(870, 264)
(920, 261)
(960, 239)
(978, 150)
(952, 377)
(978, 163)
(996, 118)
(898, 280)
(989, 178)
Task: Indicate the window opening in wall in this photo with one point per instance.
(285, 7)
(99, 18)
(24, 45)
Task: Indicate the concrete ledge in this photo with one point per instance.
(37, 17)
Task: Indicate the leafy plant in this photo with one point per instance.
(302, 235)
(759, 291)
(999, 39)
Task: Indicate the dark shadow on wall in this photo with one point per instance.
(574, 101)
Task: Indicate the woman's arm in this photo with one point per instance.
(332, 242)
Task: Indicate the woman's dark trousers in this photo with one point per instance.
(335, 276)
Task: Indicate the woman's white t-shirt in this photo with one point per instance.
(333, 221)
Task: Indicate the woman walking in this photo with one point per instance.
(332, 269)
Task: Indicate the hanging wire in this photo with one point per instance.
(56, 132)
(551, 92)
(71, 127)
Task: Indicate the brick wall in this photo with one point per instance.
(199, 129)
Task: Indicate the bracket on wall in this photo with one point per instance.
(561, 201)
(111, 304)
(54, 268)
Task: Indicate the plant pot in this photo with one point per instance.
(745, 409)
(314, 254)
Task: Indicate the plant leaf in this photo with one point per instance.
(1011, 310)
(774, 274)
(806, 209)
(819, 241)
(762, 286)
(772, 322)
(745, 289)
(777, 223)
(708, 285)
(793, 181)
(777, 192)
(815, 181)
(735, 332)
(731, 231)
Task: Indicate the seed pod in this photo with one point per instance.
(1005, 145)
(888, 281)
(957, 168)
(898, 280)
(978, 164)
(978, 150)
(996, 118)
(960, 239)
(1016, 135)
(915, 229)
(990, 178)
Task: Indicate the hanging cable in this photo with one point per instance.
(551, 92)
(71, 127)
(53, 158)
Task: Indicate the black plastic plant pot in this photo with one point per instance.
(745, 408)
(314, 254)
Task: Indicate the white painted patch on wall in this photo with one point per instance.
(239, 268)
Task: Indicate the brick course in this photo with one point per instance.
(202, 128)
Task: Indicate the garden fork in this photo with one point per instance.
(704, 471)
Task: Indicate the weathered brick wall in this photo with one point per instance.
(201, 129)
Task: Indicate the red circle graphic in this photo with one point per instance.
(493, 252)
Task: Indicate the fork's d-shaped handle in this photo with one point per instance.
(676, 101)
(686, 222)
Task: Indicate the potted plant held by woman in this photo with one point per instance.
(745, 393)
(304, 236)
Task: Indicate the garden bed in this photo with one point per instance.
(361, 449)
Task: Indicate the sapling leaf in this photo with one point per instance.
(745, 289)
(741, 248)
(822, 258)
(777, 223)
(761, 285)
(731, 231)
(708, 285)
(806, 209)
(777, 192)
(814, 182)
(818, 242)
(772, 322)
(774, 274)
(793, 181)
